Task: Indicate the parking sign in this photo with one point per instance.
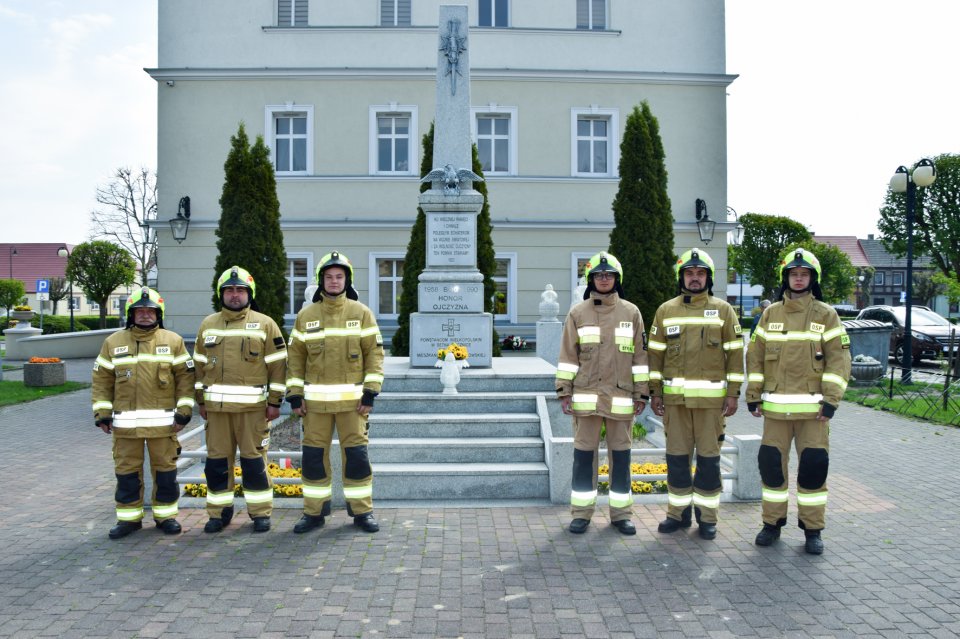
(43, 290)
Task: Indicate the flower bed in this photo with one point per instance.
(638, 487)
(274, 470)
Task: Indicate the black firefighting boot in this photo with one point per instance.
(169, 526)
(625, 526)
(124, 528)
(708, 531)
(308, 523)
(261, 524)
(366, 523)
(813, 545)
(670, 525)
(767, 535)
(578, 526)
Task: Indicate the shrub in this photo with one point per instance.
(92, 322)
(52, 324)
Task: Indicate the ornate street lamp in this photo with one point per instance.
(737, 240)
(63, 251)
(180, 224)
(924, 174)
(705, 226)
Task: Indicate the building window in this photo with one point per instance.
(592, 14)
(594, 153)
(299, 276)
(880, 301)
(393, 133)
(386, 284)
(494, 131)
(493, 13)
(292, 13)
(290, 137)
(115, 303)
(505, 280)
(578, 266)
(394, 13)
(878, 278)
(92, 304)
(898, 278)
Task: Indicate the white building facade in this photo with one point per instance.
(342, 93)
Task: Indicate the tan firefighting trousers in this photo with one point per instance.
(225, 432)
(586, 445)
(812, 441)
(128, 460)
(686, 430)
(357, 478)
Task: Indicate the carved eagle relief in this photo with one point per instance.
(451, 178)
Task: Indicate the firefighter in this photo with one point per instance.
(335, 372)
(241, 358)
(602, 380)
(143, 394)
(798, 364)
(696, 369)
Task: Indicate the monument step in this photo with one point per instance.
(472, 384)
(453, 481)
(421, 450)
(464, 403)
(446, 425)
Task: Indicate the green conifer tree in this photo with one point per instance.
(249, 232)
(642, 236)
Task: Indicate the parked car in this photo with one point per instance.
(931, 332)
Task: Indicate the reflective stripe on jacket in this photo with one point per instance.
(696, 351)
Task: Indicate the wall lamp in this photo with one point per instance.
(705, 225)
(180, 224)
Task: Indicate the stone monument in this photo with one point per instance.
(450, 292)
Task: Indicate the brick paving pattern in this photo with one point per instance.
(891, 566)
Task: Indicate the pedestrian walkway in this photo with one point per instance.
(891, 566)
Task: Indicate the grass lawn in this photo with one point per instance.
(16, 393)
(924, 401)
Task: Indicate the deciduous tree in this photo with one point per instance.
(839, 275)
(765, 239)
(128, 201)
(99, 267)
(11, 293)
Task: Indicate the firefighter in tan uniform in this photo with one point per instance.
(696, 369)
(241, 367)
(798, 365)
(602, 379)
(335, 372)
(143, 393)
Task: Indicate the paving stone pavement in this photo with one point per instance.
(891, 566)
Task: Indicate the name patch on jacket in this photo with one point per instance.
(737, 328)
(711, 312)
(816, 328)
(353, 323)
(844, 341)
(673, 331)
(628, 325)
(253, 326)
(312, 325)
(210, 339)
(653, 329)
(775, 326)
(163, 350)
(120, 350)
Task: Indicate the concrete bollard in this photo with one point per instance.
(747, 486)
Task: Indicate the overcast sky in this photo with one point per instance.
(832, 96)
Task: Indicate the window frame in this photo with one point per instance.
(575, 257)
(511, 114)
(270, 113)
(591, 23)
(878, 278)
(898, 275)
(290, 318)
(396, 13)
(493, 15)
(511, 281)
(293, 13)
(373, 282)
(413, 144)
(612, 116)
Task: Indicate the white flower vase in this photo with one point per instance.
(450, 374)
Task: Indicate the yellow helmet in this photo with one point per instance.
(603, 261)
(335, 258)
(695, 257)
(799, 258)
(236, 276)
(145, 298)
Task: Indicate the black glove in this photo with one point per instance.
(106, 421)
(367, 399)
(828, 410)
(752, 406)
(181, 419)
(296, 401)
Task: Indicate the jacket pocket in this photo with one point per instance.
(252, 349)
(164, 375)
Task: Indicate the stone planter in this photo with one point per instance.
(865, 373)
(22, 316)
(51, 374)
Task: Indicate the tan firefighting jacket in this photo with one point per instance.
(798, 356)
(336, 351)
(140, 378)
(241, 361)
(696, 351)
(603, 357)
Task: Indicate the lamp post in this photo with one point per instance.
(924, 174)
(13, 252)
(737, 240)
(63, 251)
(705, 226)
(859, 292)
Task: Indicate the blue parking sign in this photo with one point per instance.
(43, 286)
